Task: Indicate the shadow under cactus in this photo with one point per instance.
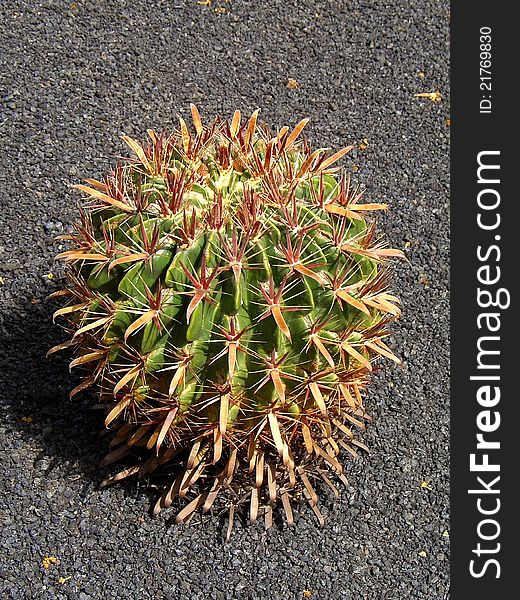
(35, 391)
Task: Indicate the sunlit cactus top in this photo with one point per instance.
(228, 296)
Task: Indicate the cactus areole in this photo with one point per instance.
(228, 298)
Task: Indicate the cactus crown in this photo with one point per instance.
(228, 295)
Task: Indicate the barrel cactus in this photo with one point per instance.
(227, 296)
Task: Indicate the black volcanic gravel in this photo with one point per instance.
(73, 76)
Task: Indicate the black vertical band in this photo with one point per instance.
(485, 161)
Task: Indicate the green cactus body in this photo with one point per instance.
(230, 310)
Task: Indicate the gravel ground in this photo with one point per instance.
(73, 76)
